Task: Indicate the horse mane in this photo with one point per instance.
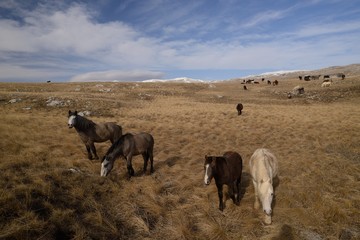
(83, 123)
(269, 162)
(118, 143)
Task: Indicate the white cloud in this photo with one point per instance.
(121, 76)
(73, 41)
(264, 17)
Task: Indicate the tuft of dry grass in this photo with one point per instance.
(49, 190)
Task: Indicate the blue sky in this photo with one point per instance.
(134, 40)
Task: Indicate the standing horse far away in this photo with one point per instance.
(227, 170)
(239, 107)
(129, 145)
(91, 132)
(263, 168)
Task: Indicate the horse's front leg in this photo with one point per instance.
(220, 194)
(93, 149)
(88, 151)
(129, 166)
(256, 203)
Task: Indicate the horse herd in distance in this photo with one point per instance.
(317, 77)
(327, 80)
(226, 169)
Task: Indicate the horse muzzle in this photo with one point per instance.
(268, 212)
(70, 125)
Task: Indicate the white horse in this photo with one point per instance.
(263, 168)
(326, 84)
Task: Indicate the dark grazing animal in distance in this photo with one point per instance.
(239, 108)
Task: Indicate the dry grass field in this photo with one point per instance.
(50, 190)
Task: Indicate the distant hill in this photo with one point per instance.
(348, 70)
(180, 79)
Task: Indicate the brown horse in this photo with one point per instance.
(227, 170)
(129, 145)
(91, 132)
(239, 108)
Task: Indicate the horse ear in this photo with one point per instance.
(69, 112)
(76, 112)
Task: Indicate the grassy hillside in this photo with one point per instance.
(49, 190)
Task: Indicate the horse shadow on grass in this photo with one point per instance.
(276, 183)
(171, 161)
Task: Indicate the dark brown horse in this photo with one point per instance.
(129, 145)
(227, 170)
(91, 132)
(239, 108)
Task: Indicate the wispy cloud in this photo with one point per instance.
(264, 17)
(108, 76)
(328, 28)
(69, 42)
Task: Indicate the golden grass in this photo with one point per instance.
(315, 137)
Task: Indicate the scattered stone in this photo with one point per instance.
(85, 113)
(15, 100)
(105, 90)
(54, 102)
(75, 170)
(298, 90)
(27, 108)
(310, 235)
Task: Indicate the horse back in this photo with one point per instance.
(143, 142)
(263, 165)
(234, 162)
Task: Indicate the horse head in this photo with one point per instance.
(72, 118)
(208, 167)
(266, 195)
(107, 164)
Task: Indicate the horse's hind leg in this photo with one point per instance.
(232, 191)
(237, 191)
(150, 155)
(146, 159)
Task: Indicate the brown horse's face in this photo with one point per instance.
(208, 170)
(106, 166)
